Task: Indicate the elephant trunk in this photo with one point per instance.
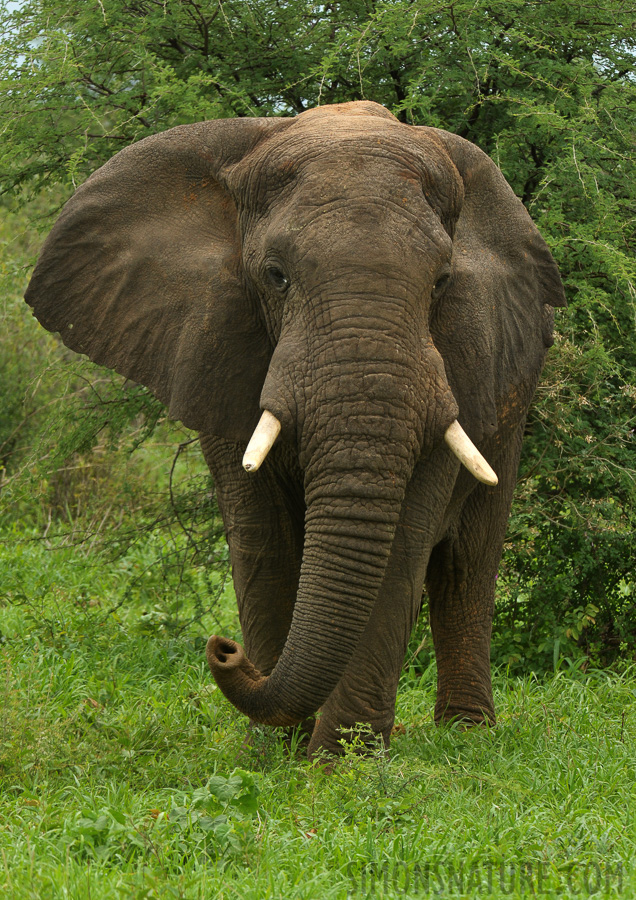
(349, 530)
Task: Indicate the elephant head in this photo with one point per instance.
(352, 283)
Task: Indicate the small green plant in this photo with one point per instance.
(214, 822)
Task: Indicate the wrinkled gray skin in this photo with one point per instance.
(367, 282)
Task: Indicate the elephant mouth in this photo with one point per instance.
(456, 439)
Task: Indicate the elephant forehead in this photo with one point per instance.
(350, 153)
(377, 178)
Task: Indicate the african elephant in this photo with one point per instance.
(344, 290)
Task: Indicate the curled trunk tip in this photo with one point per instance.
(242, 683)
(228, 662)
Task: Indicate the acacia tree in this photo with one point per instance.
(547, 89)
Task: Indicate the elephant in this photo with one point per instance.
(353, 313)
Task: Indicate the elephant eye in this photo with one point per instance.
(278, 278)
(440, 285)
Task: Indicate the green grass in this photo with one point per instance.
(123, 775)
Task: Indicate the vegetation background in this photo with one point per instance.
(112, 561)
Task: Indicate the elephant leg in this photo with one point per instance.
(263, 515)
(366, 693)
(460, 580)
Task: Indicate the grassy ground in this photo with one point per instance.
(122, 773)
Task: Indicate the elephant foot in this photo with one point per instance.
(465, 718)
(466, 700)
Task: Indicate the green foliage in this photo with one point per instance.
(25, 350)
(211, 822)
(547, 89)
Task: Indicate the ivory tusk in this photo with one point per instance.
(468, 454)
(261, 441)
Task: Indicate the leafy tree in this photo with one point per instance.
(547, 89)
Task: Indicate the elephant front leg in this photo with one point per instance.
(460, 580)
(263, 520)
(461, 610)
(263, 516)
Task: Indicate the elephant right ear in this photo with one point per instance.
(494, 323)
(142, 273)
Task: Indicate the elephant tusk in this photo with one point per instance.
(468, 454)
(261, 441)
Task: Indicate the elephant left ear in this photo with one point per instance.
(494, 321)
(142, 273)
